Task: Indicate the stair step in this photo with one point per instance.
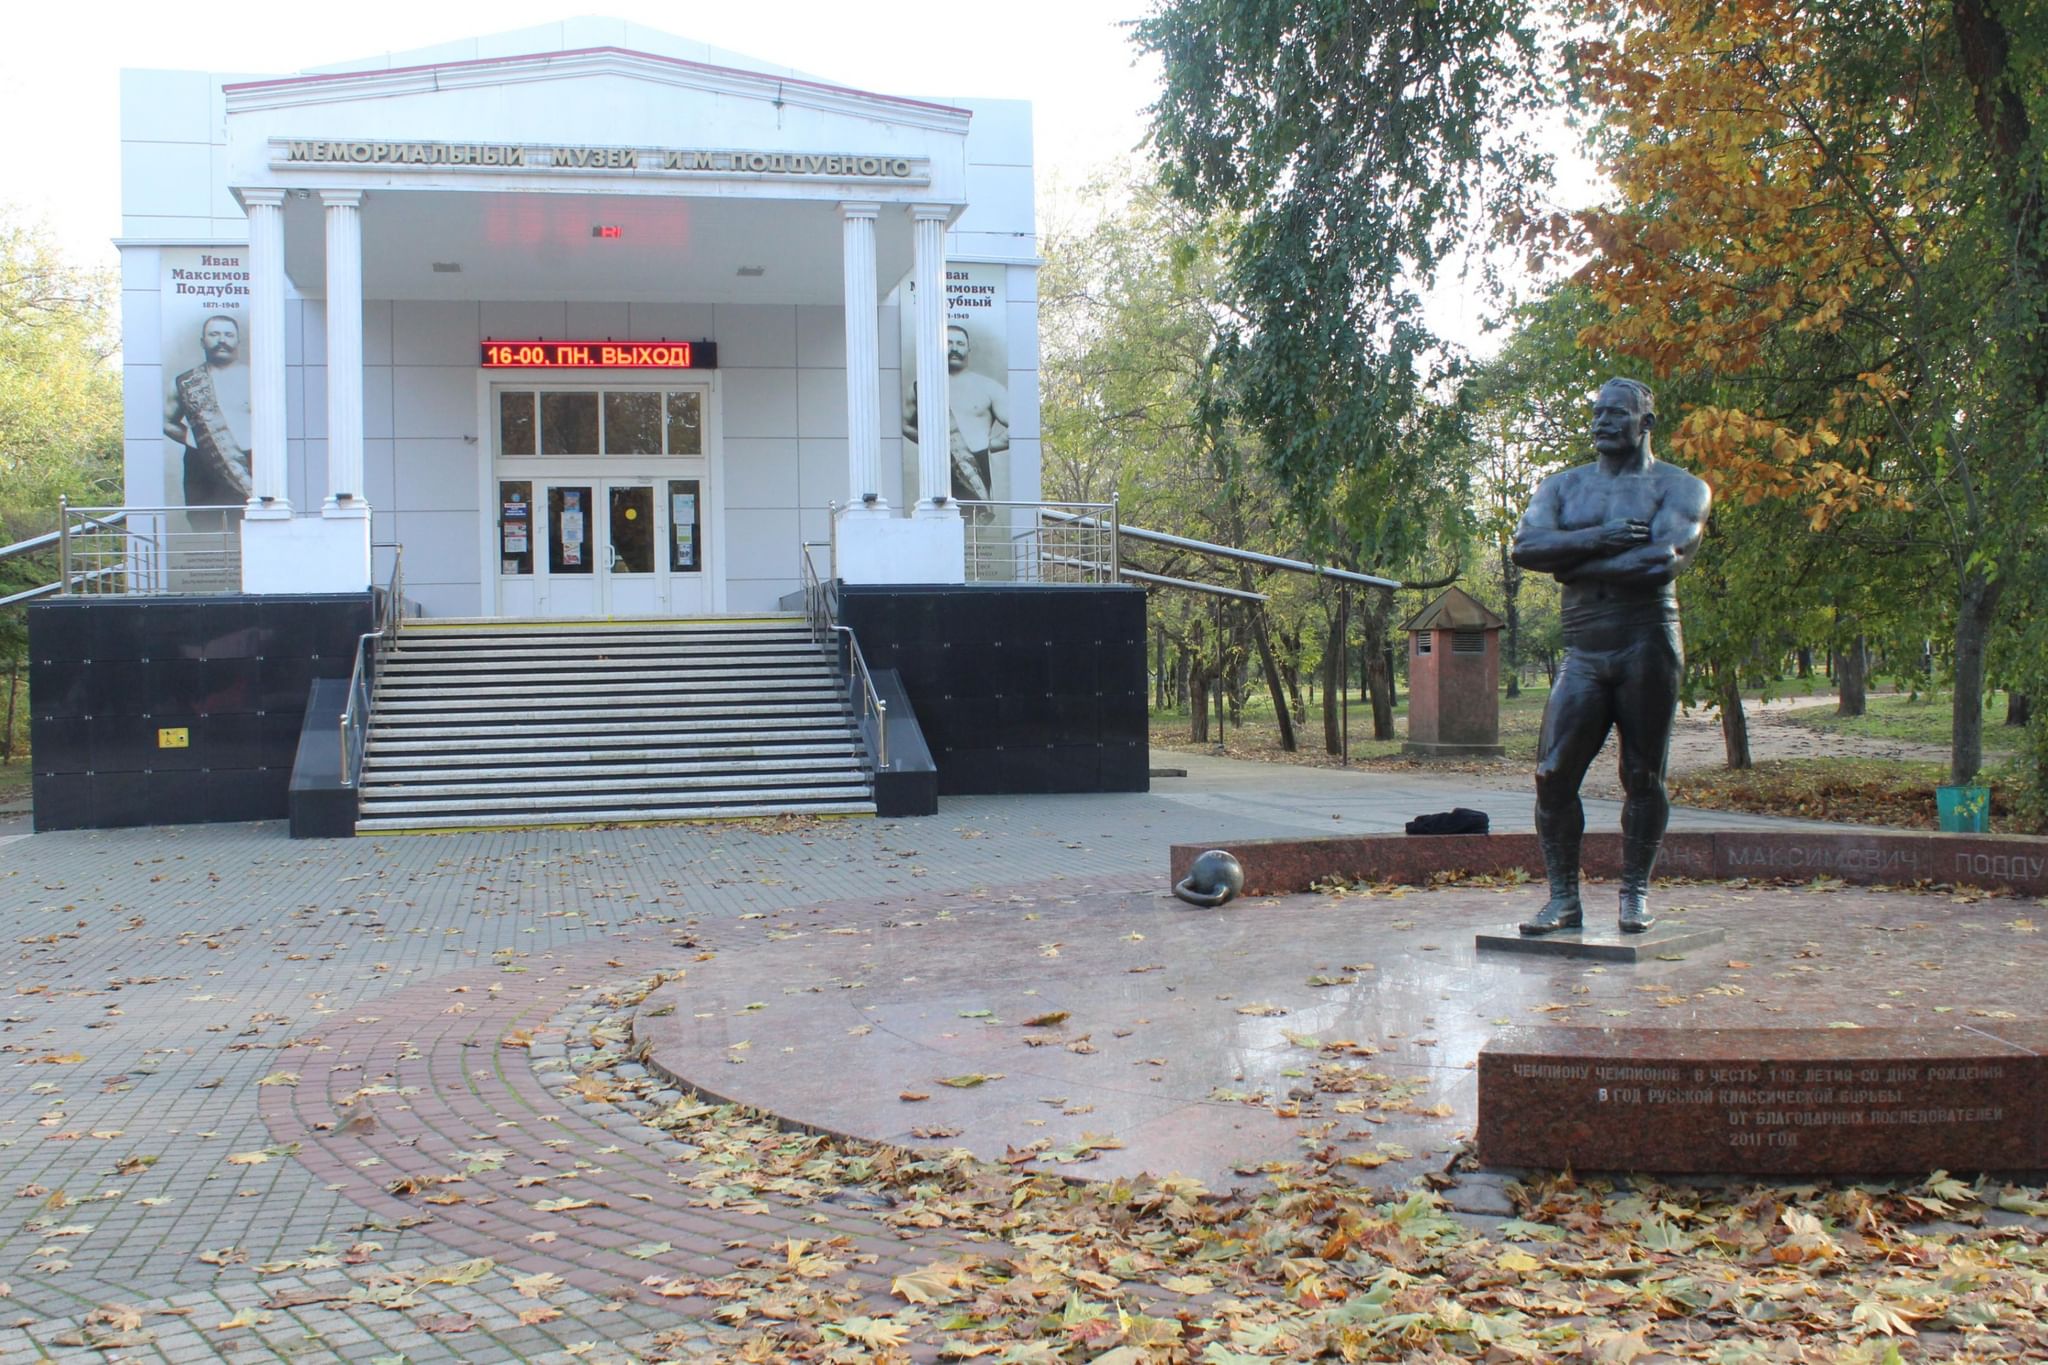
(707, 680)
(605, 777)
(562, 731)
(418, 803)
(511, 696)
(429, 754)
(624, 816)
(810, 704)
(438, 664)
(424, 632)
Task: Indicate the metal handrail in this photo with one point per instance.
(147, 556)
(31, 545)
(1094, 516)
(860, 682)
(1228, 551)
(370, 650)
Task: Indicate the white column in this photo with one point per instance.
(268, 498)
(863, 361)
(934, 420)
(282, 553)
(344, 354)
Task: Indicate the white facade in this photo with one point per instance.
(362, 345)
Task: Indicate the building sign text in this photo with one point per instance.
(493, 156)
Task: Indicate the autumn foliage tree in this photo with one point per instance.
(1832, 217)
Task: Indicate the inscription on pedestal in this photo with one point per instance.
(1997, 862)
(1759, 1101)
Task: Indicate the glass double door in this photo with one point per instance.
(601, 546)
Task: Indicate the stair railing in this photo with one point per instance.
(370, 651)
(860, 684)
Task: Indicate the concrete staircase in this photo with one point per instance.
(490, 724)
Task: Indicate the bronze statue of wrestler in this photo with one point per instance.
(1615, 534)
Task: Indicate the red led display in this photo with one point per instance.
(599, 355)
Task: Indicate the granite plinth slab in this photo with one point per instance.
(1601, 942)
(1862, 857)
(1793, 1101)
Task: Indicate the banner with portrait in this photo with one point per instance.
(208, 422)
(978, 383)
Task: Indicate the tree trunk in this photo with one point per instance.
(1805, 661)
(7, 732)
(1263, 639)
(1976, 605)
(1333, 677)
(1734, 724)
(1290, 673)
(1852, 678)
(2019, 708)
(1198, 703)
(1159, 679)
(1378, 674)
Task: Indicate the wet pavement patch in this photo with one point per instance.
(1110, 1033)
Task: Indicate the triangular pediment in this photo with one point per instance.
(589, 75)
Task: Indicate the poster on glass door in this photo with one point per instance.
(977, 384)
(572, 527)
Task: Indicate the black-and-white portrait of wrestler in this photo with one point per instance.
(207, 413)
(979, 420)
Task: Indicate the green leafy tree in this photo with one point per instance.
(60, 397)
(1130, 327)
(60, 415)
(1352, 141)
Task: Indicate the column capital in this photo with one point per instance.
(264, 198)
(930, 213)
(859, 208)
(342, 199)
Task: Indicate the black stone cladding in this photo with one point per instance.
(107, 674)
(1017, 689)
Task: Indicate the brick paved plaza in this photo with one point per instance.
(248, 1076)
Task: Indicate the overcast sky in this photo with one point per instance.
(60, 65)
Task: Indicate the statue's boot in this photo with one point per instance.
(1638, 856)
(1562, 910)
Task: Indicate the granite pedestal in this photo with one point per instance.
(1601, 942)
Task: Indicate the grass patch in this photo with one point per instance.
(1857, 791)
(1922, 719)
(15, 781)
(1259, 736)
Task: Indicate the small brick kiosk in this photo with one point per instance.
(1454, 679)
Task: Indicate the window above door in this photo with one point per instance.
(600, 422)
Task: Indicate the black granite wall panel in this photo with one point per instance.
(1017, 689)
(108, 675)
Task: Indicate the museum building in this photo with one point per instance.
(592, 325)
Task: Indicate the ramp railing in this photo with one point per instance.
(860, 684)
